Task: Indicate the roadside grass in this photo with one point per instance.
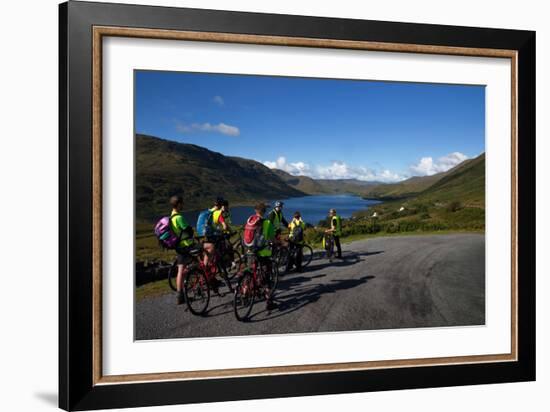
(153, 289)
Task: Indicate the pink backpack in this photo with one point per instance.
(253, 237)
(165, 235)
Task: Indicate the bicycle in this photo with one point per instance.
(284, 253)
(328, 244)
(194, 254)
(199, 280)
(231, 260)
(256, 280)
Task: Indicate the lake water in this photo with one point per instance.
(313, 208)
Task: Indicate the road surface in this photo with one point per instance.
(382, 283)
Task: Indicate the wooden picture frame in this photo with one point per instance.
(82, 384)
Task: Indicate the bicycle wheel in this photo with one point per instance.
(243, 300)
(172, 275)
(307, 255)
(274, 279)
(233, 264)
(280, 259)
(197, 292)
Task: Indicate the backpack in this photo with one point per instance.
(164, 233)
(297, 233)
(253, 237)
(204, 223)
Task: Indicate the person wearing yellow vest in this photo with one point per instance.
(336, 230)
(277, 218)
(296, 241)
(210, 242)
(184, 231)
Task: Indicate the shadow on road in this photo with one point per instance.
(350, 258)
(294, 294)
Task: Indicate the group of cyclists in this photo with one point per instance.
(261, 234)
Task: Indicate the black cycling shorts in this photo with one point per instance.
(183, 257)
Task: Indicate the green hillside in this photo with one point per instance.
(405, 188)
(455, 201)
(164, 168)
(339, 186)
(302, 183)
(464, 183)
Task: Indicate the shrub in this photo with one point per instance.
(454, 206)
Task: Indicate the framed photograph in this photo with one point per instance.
(257, 206)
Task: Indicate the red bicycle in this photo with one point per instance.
(201, 280)
(258, 279)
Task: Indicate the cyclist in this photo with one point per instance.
(336, 230)
(264, 254)
(226, 214)
(277, 218)
(296, 241)
(219, 217)
(210, 241)
(184, 231)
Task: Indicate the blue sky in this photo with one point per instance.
(324, 128)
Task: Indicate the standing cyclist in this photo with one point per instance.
(264, 254)
(184, 231)
(296, 241)
(336, 230)
(277, 218)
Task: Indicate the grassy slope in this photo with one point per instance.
(302, 183)
(406, 188)
(164, 168)
(455, 201)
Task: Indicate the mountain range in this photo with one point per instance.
(164, 168)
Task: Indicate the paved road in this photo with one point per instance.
(393, 282)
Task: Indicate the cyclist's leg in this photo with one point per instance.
(338, 246)
(266, 265)
(208, 252)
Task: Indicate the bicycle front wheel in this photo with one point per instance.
(243, 299)
(197, 292)
(307, 255)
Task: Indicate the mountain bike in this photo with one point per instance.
(231, 261)
(198, 284)
(200, 280)
(328, 244)
(258, 279)
(231, 257)
(283, 254)
(194, 260)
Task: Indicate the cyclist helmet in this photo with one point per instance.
(332, 211)
(278, 204)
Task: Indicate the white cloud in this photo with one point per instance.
(427, 166)
(222, 128)
(336, 170)
(298, 168)
(218, 100)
